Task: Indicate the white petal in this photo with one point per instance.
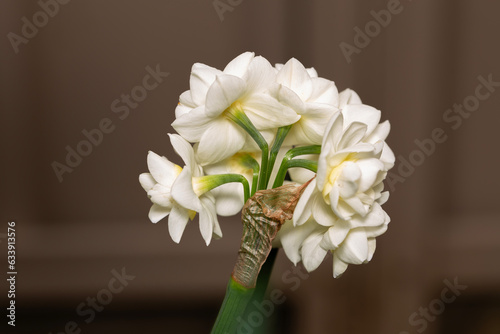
(370, 169)
(376, 217)
(225, 90)
(348, 179)
(301, 175)
(352, 135)
(162, 170)
(387, 157)
(361, 113)
(380, 132)
(193, 124)
(147, 181)
(312, 125)
(332, 135)
(184, 150)
(322, 213)
(295, 76)
(312, 253)
(202, 77)
(372, 245)
(335, 235)
(183, 193)
(157, 213)
(384, 196)
(291, 238)
(229, 199)
(324, 91)
(339, 266)
(208, 219)
(177, 222)
(355, 247)
(222, 140)
(265, 112)
(303, 208)
(348, 96)
(239, 65)
(259, 76)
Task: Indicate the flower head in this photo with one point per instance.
(201, 116)
(340, 210)
(180, 192)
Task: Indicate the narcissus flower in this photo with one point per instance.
(340, 210)
(180, 192)
(314, 99)
(202, 113)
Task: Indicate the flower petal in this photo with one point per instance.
(239, 65)
(177, 222)
(324, 91)
(322, 213)
(222, 140)
(225, 90)
(208, 219)
(339, 266)
(162, 170)
(294, 76)
(147, 181)
(193, 124)
(183, 193)
(229, 199)
(157, 213)
(312, 253)
(303, 208)
(291, 238)
(354, 249)
(259, 76)
(202, 77)
(348, 96)
(265, 112)
(361, 113)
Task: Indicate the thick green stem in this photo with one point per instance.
(234, 304)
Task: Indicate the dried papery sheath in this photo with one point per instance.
(262, 217)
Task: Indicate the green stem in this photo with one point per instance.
(289, 162)
(249, 162)
(237, 115)
(280, 137)
(209, 182)
(233, 306)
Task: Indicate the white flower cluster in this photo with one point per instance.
(234, 116)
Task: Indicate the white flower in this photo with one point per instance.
(314, 99)
(201, 116)
(341, 210)
(180, 192)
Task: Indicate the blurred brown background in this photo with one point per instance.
(72, 234)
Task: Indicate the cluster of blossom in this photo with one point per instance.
(226, 123)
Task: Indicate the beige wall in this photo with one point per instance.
(71, 234)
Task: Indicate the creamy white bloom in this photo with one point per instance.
(201, 116)
(340, 210)
(179, 192)
(314, 99)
